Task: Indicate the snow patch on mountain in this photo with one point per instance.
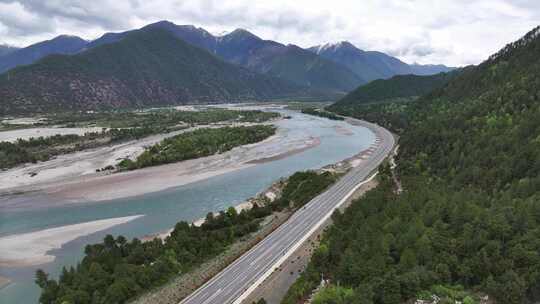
(331, 46)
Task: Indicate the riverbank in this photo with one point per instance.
(163, 235)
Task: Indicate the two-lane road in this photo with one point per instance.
(239, 279)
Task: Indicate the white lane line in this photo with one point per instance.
(212, 297)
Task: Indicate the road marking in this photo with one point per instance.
(212, 297)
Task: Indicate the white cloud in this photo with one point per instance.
(453, 32)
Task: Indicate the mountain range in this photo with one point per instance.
(288, 62)
(322, 72)
(149, 67)
(246, 49)
(265, 56)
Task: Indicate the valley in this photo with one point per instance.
(303, 141)
(269, 152)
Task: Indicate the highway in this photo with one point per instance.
(240, 278)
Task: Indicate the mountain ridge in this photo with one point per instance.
(147, 68)
(399, 86)
(7, 49)
(63, 44)
(372, 65)
(288, 62)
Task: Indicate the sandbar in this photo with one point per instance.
(30, 249)
(72, 178)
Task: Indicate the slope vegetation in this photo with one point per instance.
(470, 214)
(401, 86)
(146, 68)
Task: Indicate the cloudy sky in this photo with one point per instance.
(453, 32)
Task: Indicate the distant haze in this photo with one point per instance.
(452, 32)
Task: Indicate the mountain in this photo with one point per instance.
(7, 49)
(468, 220)
(60, 45)
(400, 86)
(371, 65)
(303, 68)
(149, 67)
(241, 47)
(288, 62)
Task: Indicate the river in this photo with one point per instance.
(189, 202)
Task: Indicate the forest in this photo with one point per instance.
(117, 128)
(198, 143)
(468, 221)
(118, 270)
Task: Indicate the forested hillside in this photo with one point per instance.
(397, 87)
(469, 217)
(147, 68)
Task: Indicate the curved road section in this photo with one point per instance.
(240, 278)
